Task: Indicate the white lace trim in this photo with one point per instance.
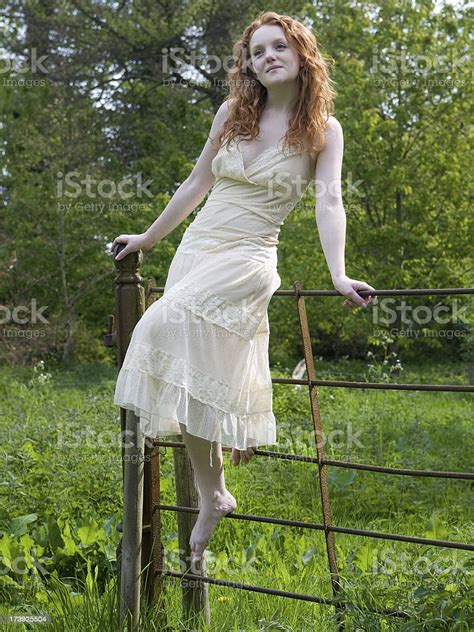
(157, 363)
(230, 161)
(262, 158)
(215, 309)
(162, 404)
(228, 165)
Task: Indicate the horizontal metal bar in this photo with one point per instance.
(321, 527)
(405, 292)
(462, 546)
(462, 388)
(280, 593)
(396, 470)
(336, 463)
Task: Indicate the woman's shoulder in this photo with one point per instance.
(333, 124)
(333, 134)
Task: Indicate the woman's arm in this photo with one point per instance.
(330, 214)
(186, 197)
(331, 217)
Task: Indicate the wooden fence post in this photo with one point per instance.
(130, 583)
(130, 305)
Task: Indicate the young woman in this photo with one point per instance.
(197, 363)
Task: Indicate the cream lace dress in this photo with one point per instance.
(199, 354)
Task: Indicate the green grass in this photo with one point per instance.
(62, 474)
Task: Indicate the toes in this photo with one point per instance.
(242, 456)
(195, 556)
(247, 454)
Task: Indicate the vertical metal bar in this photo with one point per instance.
(132, 523)
(152, 548)
(318, 429)
(195, 593)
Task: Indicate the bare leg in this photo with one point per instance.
(216, 500)
(242, 456)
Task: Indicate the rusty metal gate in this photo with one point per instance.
(130, 304)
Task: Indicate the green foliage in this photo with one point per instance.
(110, 107)
(61, 468)
(106, 110)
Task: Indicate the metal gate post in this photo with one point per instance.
(318, 429)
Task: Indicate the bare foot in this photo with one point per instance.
(209, 515)
(242, 456)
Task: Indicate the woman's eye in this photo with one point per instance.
(257, 53)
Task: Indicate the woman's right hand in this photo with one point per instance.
(133, 244)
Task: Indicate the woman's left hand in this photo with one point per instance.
(349, 287)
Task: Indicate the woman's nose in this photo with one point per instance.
(270, 56)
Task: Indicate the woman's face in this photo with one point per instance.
(269, 47)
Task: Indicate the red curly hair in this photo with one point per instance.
(247, 95)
